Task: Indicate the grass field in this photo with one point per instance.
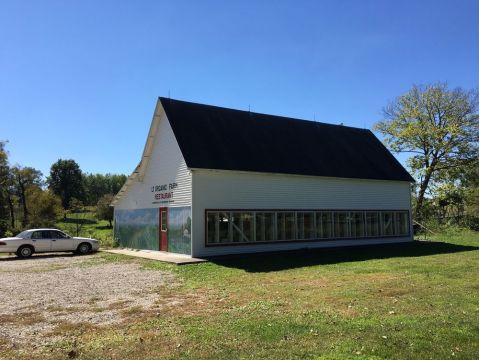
(86, 224)
(416, 301)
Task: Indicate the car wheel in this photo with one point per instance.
(83, 248)
(24, 252)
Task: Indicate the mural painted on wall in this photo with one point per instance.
(137, 229)
(179, 230)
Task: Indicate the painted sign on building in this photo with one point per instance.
(163, 194)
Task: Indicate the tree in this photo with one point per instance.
(449, 200)
(65, 180)
(4, 192)
(10, 197)
(104, 210)
(25, 178)
(45, 207)
(116, 182)
(469, 177)
(469, 180)
(97, 185)
(439, 126)
(76, 206)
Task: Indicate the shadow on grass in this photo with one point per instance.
(79, 221)
(104, 227)
(266, 262)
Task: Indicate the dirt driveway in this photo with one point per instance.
(45, 292)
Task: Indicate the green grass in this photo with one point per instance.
(418, 301)
(86, 224)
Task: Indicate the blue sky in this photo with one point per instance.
(79, 79)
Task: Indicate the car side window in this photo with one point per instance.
(46, 234)
(37, 235)
(58, 235)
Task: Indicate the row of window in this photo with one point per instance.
(226, 227)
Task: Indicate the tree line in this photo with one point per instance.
(29, 200)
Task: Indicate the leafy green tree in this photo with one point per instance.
(469, 180)
(65, 180)
(11, 198)
(45, 207)
(104, 210)
(4, 192)
(97, 185)
(450, 201)
(469, 177)
(76, 206)
(439, 126)
(25, 178)
(116, 182)
(471, 199)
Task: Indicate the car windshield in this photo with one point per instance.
(22, 235)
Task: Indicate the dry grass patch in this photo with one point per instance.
(27, 318)
(118, 305)
(67, 328)
(62, 310)
(132, 311)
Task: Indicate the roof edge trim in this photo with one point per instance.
(140, 170)
(295, 175)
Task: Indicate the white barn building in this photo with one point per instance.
(215, 181)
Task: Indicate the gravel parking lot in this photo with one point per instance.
(45, 291)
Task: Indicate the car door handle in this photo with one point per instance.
(54, 240)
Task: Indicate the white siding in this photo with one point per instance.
(166, 165)
(241, 190)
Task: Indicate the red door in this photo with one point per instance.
(163, 229)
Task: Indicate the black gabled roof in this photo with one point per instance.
(212, 137)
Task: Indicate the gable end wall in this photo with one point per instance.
(166, 165)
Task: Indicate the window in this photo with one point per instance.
(306, 225)
(46, 234)
(23, 235)
(265, 226)
(163, 220)
(58, 235)
(243, 227)
(224, 227)
(211, 225)
(286, 226)
(402, 223)
(324, 225)
(372, 224)
(37, 235)
(387, 220)
(357, 223)
(218, 227)
(341, 224)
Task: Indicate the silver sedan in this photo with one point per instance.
(46, 240)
